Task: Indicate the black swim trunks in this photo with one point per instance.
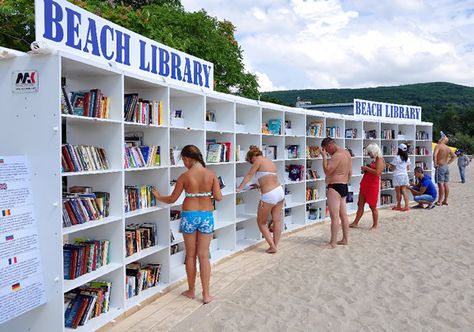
(341, 188)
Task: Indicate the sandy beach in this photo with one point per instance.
(413, 274)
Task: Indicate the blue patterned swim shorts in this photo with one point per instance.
(202, 221)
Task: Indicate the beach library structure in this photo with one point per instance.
(95, 118)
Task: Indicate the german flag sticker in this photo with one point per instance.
(16, 287)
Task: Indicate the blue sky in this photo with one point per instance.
(299, 44)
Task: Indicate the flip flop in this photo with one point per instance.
(430, 207)
(444, 203)
(439, 204)
(418, 207)
(396, 208)
(404, 209)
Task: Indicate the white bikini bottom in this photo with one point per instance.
(274, 196)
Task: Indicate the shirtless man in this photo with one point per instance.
(338, 172)
(443, 156)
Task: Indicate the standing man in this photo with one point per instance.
(463, 161)
(338, 172)
(443, 156)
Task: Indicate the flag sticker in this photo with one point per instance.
(9, 237)
(12, 260)
(2, 161)
(6, 213)
(16, 287)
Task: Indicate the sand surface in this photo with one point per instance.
(416, 273)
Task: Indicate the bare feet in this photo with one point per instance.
(342, 243)
(374, 227)
(353, 225)
(330, 245)
(208, 299)
(189, 294)
(271, 250)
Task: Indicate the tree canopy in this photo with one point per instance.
(165, 21)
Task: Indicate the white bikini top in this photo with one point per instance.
(260, 175)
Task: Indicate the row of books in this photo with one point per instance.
(386, 199)
(79, 208)
(313, 151)
(422, 151)
(270, 151)
(92, 104)
(218, 152)
(295, 172)
(315, 128)
(175, 215)
(386, 184)
(139, 237)
(142, 111)
(84, 256)
(139, 278)
(272, 127)
(389, 150)
(422, 164)
(312, 194)
(86, 302)
(211, 116)
(312, 174)
(78, 158)
(139, 197)
(370, 134)
(293, 151)
(351, 133)
(422, 135)
(333, 131)
(142, 156)
(387, 134)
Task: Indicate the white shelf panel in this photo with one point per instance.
(295, 182)
(135, 169)
(145, 294)
(71, 284)
(108, 171)
(220, 163)
(315, 221)
(292, 227)
(140, 212)
(245, 243)
(178, 272)
(315, 180)
(217, 255)
(221, 224)
(293, 204)
(90, 224)
(387, 189)
(219, 131)
(316, 200)
(144, 253)
(186, 128)
(135, 124)
(244, 217)
(309, 136)
(78, 118)
(98, 322)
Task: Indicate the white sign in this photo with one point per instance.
(25, 81)
(376, 110)
(21, 276)
(71, 29)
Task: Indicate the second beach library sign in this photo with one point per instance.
(377, 111)
(71, 29)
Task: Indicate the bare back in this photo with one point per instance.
(198, 180)
(442, 154)
(269, 182)
(341, 163)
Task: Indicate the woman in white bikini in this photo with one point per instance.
(272, 198)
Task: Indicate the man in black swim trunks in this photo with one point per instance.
(338, 172)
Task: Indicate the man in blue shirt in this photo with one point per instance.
(425, 191)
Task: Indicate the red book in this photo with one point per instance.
(82, 309)
(67, 157)
(70, 213)
(87, 102)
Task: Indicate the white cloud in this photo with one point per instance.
(266, 84)
(351, 43)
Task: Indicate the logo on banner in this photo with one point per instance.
(25, 81)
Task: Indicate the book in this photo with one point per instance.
(214, 151)
(274, 126)
(211, 116)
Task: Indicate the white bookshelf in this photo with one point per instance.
(238, 120)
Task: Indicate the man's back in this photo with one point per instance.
(442, 154)
(343, 160)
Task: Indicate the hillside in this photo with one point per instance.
(449, 106)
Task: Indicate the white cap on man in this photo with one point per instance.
(402, 147)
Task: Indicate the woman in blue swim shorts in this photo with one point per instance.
(197, 223)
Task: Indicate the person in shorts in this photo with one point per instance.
(400, 166)
(443, 156)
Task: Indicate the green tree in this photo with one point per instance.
(165, 21)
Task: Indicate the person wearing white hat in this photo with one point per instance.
(400, 166)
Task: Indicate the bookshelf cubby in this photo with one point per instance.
(237, 120)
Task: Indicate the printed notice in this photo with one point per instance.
(21, 277)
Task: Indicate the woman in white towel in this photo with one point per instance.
(272, 195)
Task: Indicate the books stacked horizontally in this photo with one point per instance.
(351, 133)
(270, 151)
(142, 111)
(312, 194)
(312, 151)
(218, 152)
(139, 155)
(293, 151)
(139, 197)
(86, 302)
(333, 131)
(81, 205)
(92, 104)
(139, 278)
(388, 134)
(315, 128)
(78, 158)
(84, 256)
(139, 237)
